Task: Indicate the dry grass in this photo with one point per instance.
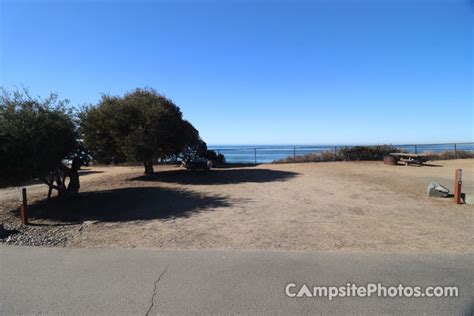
(347, 206)
(460, 154)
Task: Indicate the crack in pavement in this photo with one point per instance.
(154, 291)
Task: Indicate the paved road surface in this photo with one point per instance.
(113, 281)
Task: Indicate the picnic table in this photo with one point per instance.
(407, 158)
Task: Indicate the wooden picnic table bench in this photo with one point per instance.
(406, 158)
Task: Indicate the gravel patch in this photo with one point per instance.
(46, 236)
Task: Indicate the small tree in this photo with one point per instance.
(142, 126)
(103, 128)
(35, 137)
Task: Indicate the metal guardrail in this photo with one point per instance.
(260, 154)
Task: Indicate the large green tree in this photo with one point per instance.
(38, 139)
(141, 126)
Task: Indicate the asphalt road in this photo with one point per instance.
(116, 281)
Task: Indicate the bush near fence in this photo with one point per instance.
(368, 153)
(459, 154)
(345, 154)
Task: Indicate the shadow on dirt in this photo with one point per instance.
(125, 204)
(219, 176)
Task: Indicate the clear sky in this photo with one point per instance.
(259, 72)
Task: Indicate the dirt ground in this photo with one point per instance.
(347, 206)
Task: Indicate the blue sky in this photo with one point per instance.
(259, 72)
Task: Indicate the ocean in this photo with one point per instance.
(269, 153)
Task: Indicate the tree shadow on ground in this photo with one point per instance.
(417, 165)
(219, 176)
(125, 204)
(84, 172)
(237, 165)
(431, 165)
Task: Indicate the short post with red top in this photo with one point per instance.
(23, 207)
(457, 186)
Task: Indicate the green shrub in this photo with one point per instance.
(214, 157)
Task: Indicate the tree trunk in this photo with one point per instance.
(57, 181)
(149, 167)
(74, 185)
(62, 191)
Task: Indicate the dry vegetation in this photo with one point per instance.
(460, 154)
(364, 153)
(348, 206)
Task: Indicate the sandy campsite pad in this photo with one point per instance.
(351, 206)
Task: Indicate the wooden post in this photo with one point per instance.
(24, 207)
(294, 153)
(416, 150)
(455, 151)
(457, 186)
(255, 153)
(335, 150)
